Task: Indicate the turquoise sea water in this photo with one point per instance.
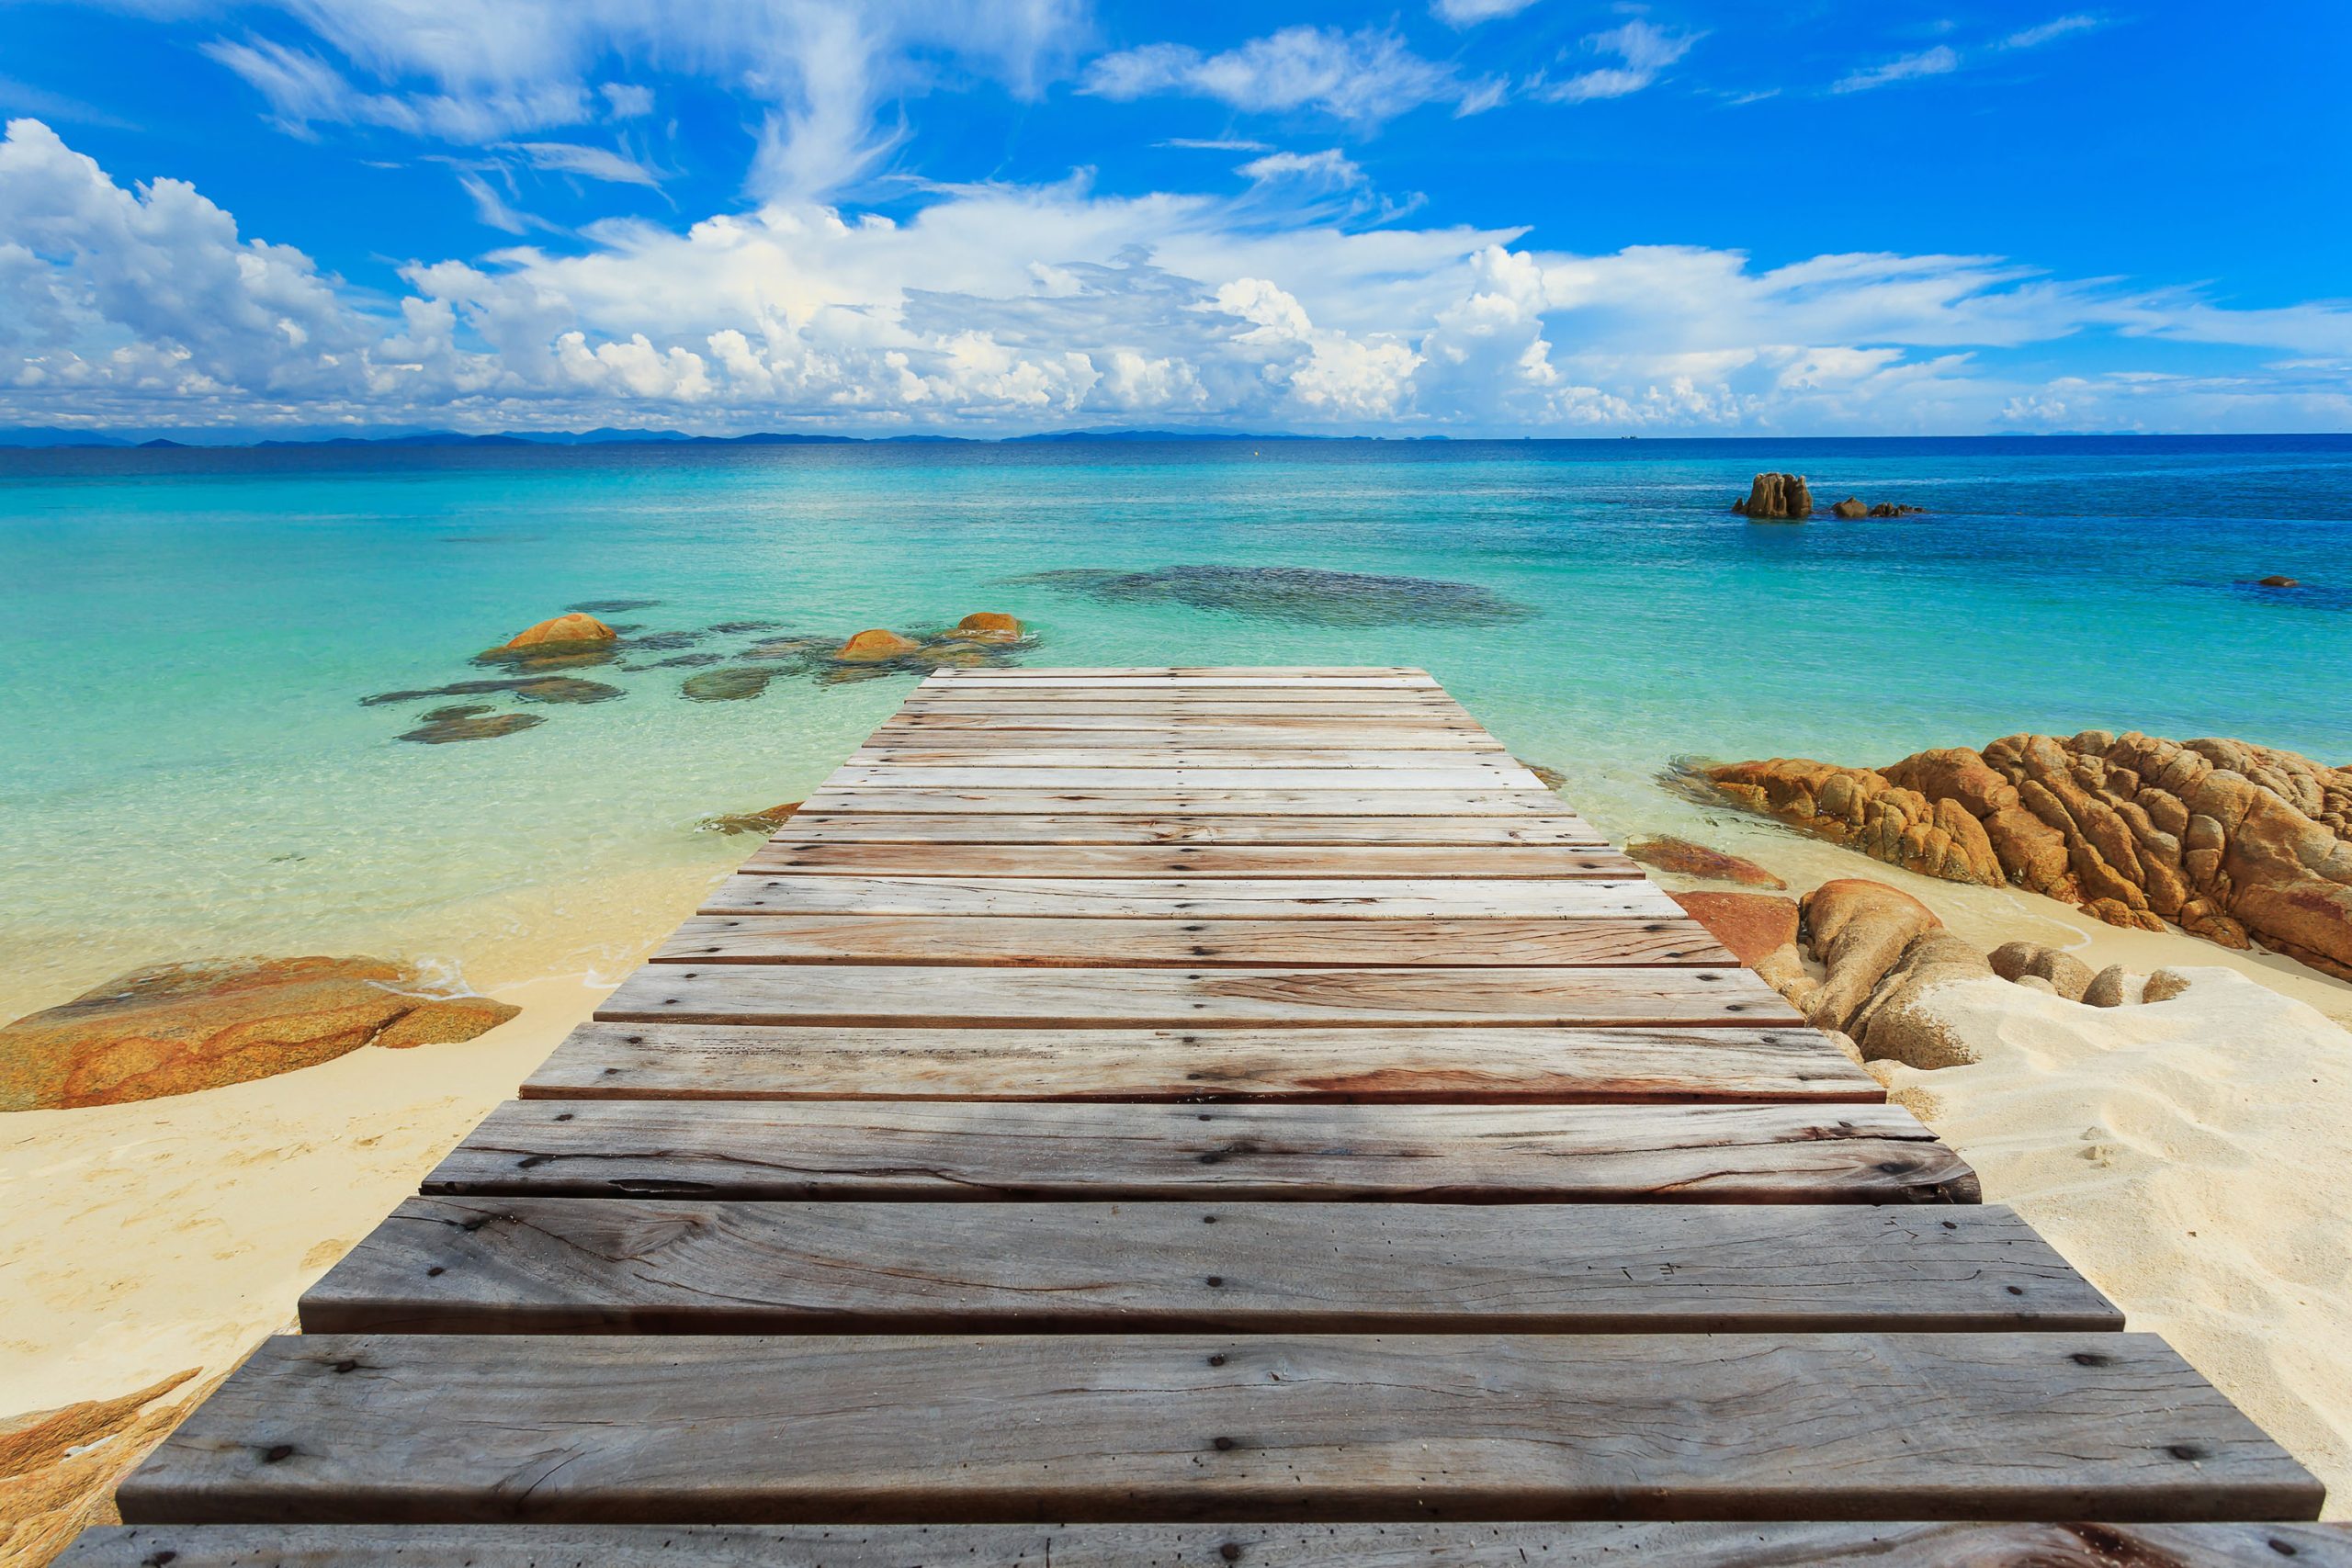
(186, 768)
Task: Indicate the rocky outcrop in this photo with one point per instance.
(875, 645)
(989, 626)
(1891, 509)
(1850, 509)
(2277, 581)
(183, 1027)
(563, 631)
(57, 1468)
(1860, 931)
(2230, 841)
(1686, 859)
(1776, 498)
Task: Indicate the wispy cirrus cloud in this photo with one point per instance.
(1644, 49)
(1470, 13)
(589, 163)
(1366, 77)
(1941, 60)
(1331, 169)
(2053, 30)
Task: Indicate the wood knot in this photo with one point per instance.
(277, 1453)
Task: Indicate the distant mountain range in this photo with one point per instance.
(50, 435)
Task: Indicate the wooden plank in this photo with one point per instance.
(1047, 942)
(788, 852)
(590, 1266)
(985, 738)
(970, 680)
(1184, 803)
(1462, 778)
(953, 676)
(913, 1151)
(1407, 708)
(809, 826)
(1281, 727)
(703, 1061)
(1208, 899)
(1491, 766)
(1611, 1544)
(726, 1429)
(912, 995)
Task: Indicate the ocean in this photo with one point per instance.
(188, 767)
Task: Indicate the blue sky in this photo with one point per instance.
(1463, 217)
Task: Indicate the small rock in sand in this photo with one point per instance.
(2115, 987)
(178, 1028)
(1686, 859)
(2060, 971)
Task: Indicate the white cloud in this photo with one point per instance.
(997, 309)
(1941, 60)
(1645, 50)
(1327, 170)
(1217, 144)
(626, 100)
(1368, 77)
(2051, 31)
(589, 163)
(1470, 13)
(490, 206)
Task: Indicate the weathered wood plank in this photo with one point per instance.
(1112, 897)
(590, 1266)
(1340, 738)
(1282, 728)
(951, 675)
(1184, 803)
(706, 1061)
(1391, 1545)
(1047, 942)
(1491, 765)
(788, 852)
(1374, 708)
(995, 828)
(915, 1151)
(1465, 777)
(1014, 680)
(1114, 1428)
(913, 996)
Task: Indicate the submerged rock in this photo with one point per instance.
(1549, 777)
(732, 684)
(1685, 858)
(178, 1028)
(761, 822)
(2231, 841)
(445, 731)
(1891, 509)
(737, 628)
(464, 710)
(606, 608)
(529, 688)
(1307, 595)
(2278, 581)
(876, 644)
(1776, 498)
(679, 661)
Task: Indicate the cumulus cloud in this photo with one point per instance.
(1941, 60)
(1369, 76)
(1642, 48)
(996, 308)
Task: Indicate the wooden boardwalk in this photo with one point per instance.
(1183, 1116)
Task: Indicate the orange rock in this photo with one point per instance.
(876, 643)
(574, 627)
(183, 1027)
(760, 822)
(1686, 859)
(989, 626)
(1858, 930)
(1752, 925)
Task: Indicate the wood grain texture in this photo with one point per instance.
(1366, 708)
(592, 1266)
(911, 1151)
(1185, 803)
(1463, 777)
(809, 826)
(914, 995)
(1114, 1428)
(1173, 898)
(1047, 942)
(713, 1061)
(1239, 681)
(789, 852)
(1045, 756)
(1116, 730)
(1394, 1545)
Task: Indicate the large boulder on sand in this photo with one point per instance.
(183, 1027)
(1685, 858)
(1859, 931)
(1899, 1023)
(2065, 975)
(871, 646)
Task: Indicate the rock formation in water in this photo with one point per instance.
(2230, 841)
(1686, 859)
(1776, 498)
(183, 1027)
(2275, 581)
(1891, 508)
(989, 626)
(761, 822)
(876, 644)
(456, 727)
(1849, 508)
(563, 631)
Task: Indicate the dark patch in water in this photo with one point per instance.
(730, 685)
(681, 661)
(661, 642)
(735, 628)
(610, 607)
(479, 727)
(530, 689)
(797, 646)
(548, 655)
(443, 715)
(1307, 595)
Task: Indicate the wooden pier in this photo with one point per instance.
(1194, 1116)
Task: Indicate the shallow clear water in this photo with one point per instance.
(186, 770)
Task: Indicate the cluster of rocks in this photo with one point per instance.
(1787, 498)
(577, 639)
(178, 1028)
(1883, 953)
(2234, 842)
